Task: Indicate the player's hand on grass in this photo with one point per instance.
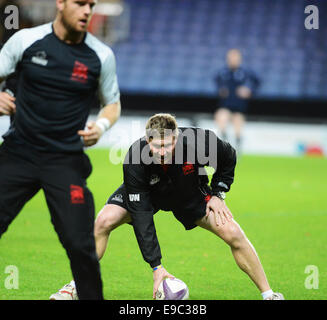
(159, 275)
(220, 210)
(7, 105)
(91, 134)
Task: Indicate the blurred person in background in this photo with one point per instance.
(236, 86)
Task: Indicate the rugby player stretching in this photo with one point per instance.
(165, 171)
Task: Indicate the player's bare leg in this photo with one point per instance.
(222, 117)
(238, 120)
(108, 219)
(243, 251)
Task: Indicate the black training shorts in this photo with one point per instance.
(187, 217)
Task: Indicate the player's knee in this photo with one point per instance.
(104, 224)
(79, 246)
(234, 236)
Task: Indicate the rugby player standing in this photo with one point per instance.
(61, 67)
(165, 171)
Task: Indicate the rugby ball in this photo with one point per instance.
(172, 289)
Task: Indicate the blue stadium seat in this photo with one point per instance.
(176, 46)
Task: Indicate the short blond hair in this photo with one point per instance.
(160, 125)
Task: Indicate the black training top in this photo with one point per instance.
(153, 186)
(57, 85)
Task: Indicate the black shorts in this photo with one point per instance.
(187, 217)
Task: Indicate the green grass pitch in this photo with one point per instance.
(280, 203)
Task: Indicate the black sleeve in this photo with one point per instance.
(11, 84)
(222, 157)
(141, 210)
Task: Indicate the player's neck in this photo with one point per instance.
(66, 35)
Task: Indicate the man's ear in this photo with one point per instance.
(60, 4)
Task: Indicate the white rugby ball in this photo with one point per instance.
(172, 289)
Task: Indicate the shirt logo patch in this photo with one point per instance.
(76, 194)
(188, 168)
(80, 72)
(118, 197)
(223, 185)
(154, 179)
(40, 58)
(134, 197)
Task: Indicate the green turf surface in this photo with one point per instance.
(281, 204)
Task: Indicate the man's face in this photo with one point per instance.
(163, 148)
(76, 14)
(234, 58)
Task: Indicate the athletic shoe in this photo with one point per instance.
(276, 296)
(67, 292)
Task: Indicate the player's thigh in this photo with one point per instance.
(222, 116)
(69, 200)
(228, 231)
(18, 184)
(238, 120)
(110, 217)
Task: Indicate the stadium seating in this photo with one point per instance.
(177, 46)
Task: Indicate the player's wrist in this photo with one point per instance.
(104, 124)
(157, 267)
(219, 194)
